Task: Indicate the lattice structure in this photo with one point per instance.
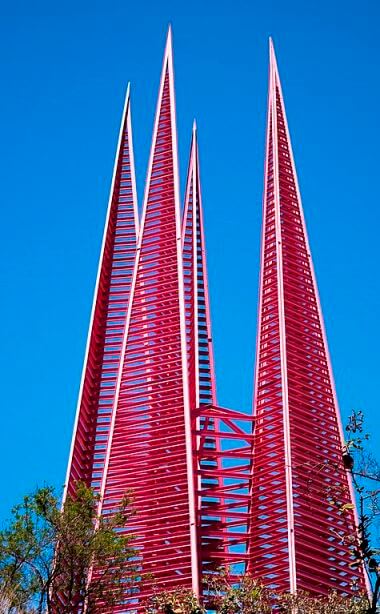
(202, 387)
(224, 456)
(222, 441)
(207, 492)
(201, 375)
(299, 534)
(149, 449)
(104, 344)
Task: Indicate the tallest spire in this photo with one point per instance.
(150, 443)
(300, 537)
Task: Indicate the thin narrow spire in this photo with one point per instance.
(272, 55)
(202, 385)
(97, 389)
(169, 35)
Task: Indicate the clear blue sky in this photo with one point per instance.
(64, 69)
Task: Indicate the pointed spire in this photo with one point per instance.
(298, 435)
(272, 54)
(169, 36)
(149, 448)
(202, 387)
(107, 321)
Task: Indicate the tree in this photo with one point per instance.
(230, 595)
(365, 472)
(180, 601)
(302, 603)
(47, 555)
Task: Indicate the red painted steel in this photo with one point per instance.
(202, 386)
(224, 455)
(150, 444)
(201, 376)
(222, 446)
(148, 419)
(97, 391)
(300, 537)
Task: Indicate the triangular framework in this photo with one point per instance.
(222, 440)
(147, 417)
(300, 536)
(104, 343)
(150, 447)
(202, 386)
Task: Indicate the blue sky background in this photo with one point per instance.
(64, 69)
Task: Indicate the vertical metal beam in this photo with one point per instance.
(181, 296)
(282, 327)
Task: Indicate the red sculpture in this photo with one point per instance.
(209, 490)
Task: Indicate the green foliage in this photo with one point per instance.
(233, 595)
(47, 552)
(245, 595)
(356, 437)
(180, 601)
(333, 604)
(27, 548)
(365, 474)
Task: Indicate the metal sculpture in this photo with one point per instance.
(222, 438)
(208, 491)
(303, 516)
(107, 322)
